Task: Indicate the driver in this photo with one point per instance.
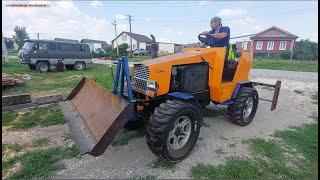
(219, 35)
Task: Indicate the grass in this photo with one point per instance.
(54, 82)
(139, 58)
(41, 142)
(268, 88)
(67, 136)
(147, 177)
(8, 117)
(232, 145)
(288, 65)
(124, 137)
(219, 151)
(43, 116)
(13, 147)
(299, 92)
(272, 159)
(163, 164)
(38, 164)
(314, 97)
(214, 112)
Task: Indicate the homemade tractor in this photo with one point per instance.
(166, 95)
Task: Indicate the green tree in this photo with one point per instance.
(305, 50)
(20, 36)
(123, 49)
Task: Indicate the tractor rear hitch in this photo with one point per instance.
(276, 92)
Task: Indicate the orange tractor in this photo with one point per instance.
(167, 96)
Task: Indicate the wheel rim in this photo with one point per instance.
(44, 68)
(248, 107)
(79, 66)
(179, 133)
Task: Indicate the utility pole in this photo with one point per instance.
(291, 48)
(130, 32)
(4, 49)
(115, 30)
(38, 36)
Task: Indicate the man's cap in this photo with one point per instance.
(216, 18)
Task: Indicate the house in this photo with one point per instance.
(272, 41)
(168, 48)
(95, 45)
(139, 41)
(67, 40)
(245, 45)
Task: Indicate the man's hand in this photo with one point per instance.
(205, 33)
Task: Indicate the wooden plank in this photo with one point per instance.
(16, 99)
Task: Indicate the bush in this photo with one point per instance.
(285, 54)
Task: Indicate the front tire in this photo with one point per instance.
(43, 66)
(243, 110)
(79, 66)
(32, 67)
(173, 130)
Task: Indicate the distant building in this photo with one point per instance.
(67, 40)
(245, 45)
(96, 45)
(139, 41)
(272, 41)
(168, 48)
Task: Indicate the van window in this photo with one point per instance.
(42, 46)
(65, 47)
(82, 48)
(76, 47)
(52, 46)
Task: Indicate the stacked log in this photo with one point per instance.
(8, 80)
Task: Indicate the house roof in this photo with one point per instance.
(137, 37)
(278, 33)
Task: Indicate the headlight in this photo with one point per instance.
(152, 84)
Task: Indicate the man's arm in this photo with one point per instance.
(225, 32)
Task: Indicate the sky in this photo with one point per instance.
(169, 21)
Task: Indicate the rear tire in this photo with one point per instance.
(243, 110)
(173, 130)
(79, 66)
(43, 66)
(32, 66)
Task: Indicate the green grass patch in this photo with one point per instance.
(41, 142)
(8, 117)
(289, 65)
(272, 159)
(314, 98)
(43, 116)
(219, 151)
(163, 164)
(67, 136)
(54, 82)
(139, 58)
(299, 92)
(13, 147)
(147, 177)
(124, 137)
(214, 112)
(232, 145)
(39, 164)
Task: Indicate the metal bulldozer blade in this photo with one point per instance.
(94, 116)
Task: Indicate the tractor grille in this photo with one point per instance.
(141, 76)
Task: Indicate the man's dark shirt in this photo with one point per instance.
(220, 42)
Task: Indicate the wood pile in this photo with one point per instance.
(8, 80)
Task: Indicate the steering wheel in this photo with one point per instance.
(207, 40)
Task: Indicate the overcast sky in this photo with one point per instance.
(169, 21)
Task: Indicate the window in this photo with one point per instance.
(52, 46)
(245, 45)
(259, 45)
(124, 37)
(42, 46)
(76, 47)
(270, 45)
(82, 48)
(283, 45)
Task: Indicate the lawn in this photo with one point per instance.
(139, 58)
(289, 65)
(54, 82)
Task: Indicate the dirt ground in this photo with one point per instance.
(135, 159)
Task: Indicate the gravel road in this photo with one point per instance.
(135, 160)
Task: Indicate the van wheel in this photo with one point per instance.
(32, 67)
(43, 66)
(79, 66)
